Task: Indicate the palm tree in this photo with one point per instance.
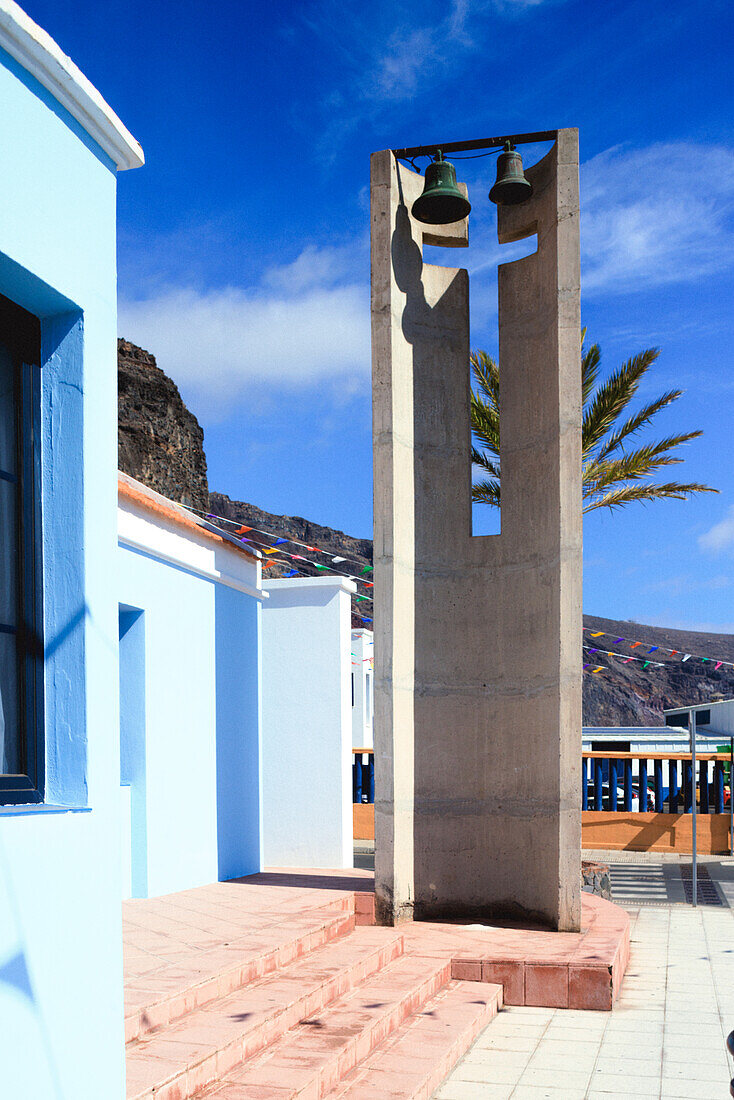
(612, 475)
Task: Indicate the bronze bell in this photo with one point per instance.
(441, 202)
(510, 187)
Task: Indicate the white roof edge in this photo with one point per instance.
(37, 52)
(330, 581)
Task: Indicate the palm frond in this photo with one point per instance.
(487, 376)
(486, 492)
(485, 424)
(590, 361)
(633, 466)
(485, 463)
(615, 498)
(639, 420)
(613, 397)
(612, 477)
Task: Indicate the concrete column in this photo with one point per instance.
(477, 668)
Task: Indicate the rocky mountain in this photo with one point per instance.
(159, 441)
(162, 444)
(630, 695)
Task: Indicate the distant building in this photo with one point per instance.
(711, 718)
(633, 739)
(362, 655)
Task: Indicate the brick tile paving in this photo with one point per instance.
(663, 1041)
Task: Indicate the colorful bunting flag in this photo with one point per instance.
(652, 649)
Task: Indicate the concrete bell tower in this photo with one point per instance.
(477, 663)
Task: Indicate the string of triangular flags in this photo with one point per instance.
(275, 548)
(364, 660)
(623, 657)
(633, 644)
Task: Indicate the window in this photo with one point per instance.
(21, 638)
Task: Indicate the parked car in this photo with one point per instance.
(635, 797)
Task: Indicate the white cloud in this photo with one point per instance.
(645, 221)
(303, 325)
(306, 322)
(390, 56)
(720, 536)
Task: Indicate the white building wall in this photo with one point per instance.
(641, 738)
(721, 716)
(307, 723)
(189, 702)
(362, 688)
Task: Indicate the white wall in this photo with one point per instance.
(641, 738)
(363, 688)
(307, 723)
(190, 752)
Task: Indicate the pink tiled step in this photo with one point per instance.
(424, 1050)
(313, 1059)
(194, 979)
(185, 1056)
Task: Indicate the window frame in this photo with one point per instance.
(20, 331)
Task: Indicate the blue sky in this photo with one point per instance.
(243, 251)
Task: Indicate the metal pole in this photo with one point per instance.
(731, 796)
(692, 732)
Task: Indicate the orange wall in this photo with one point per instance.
(364, 821)
(652, 832)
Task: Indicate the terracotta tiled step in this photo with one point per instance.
(312, 1059)
(416, 1059)
(160, 996)
(185, 1056)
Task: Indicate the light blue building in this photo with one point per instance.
(190, 759)
(131, 762)
(60, 925)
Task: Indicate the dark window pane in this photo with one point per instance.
(7, 412)
(11, 754)
(8, 554)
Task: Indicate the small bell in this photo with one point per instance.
(510, 187)
(441, 202)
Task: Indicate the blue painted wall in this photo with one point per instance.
(60, 926)
(200, 761)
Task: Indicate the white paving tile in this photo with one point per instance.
(664, 1040)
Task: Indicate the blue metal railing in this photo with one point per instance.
(612, 783)
(363, 775)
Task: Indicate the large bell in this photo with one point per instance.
(441, 202)
(510, 187)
